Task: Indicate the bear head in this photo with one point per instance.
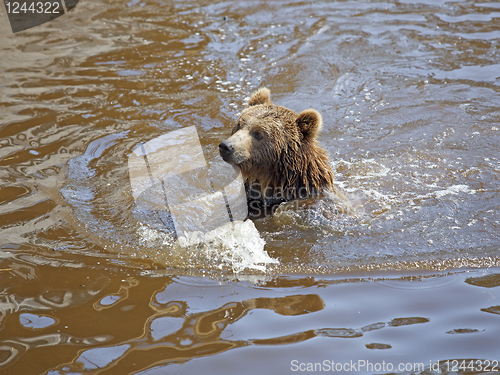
(277, 148)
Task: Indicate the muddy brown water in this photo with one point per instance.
(410, 96)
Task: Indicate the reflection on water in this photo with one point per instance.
(199, 323)
(409, 93)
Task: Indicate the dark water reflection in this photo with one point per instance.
(409, 93)
(105, 323)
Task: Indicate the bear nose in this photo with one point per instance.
(225, 148)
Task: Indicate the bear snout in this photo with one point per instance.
(237, 148)
(226, 149)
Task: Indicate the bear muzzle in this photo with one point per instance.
(226, 150)
(237, 148)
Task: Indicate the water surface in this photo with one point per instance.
(409, 93)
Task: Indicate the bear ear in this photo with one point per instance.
(261, 96)
(309, 123)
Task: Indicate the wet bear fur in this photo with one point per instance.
(277, 151)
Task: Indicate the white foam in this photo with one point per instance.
(237, 244)
(452, 190)
(153, 238)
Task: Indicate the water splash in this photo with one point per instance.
(236, 246)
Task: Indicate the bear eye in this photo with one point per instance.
(258, 135)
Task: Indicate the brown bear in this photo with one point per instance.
(277, 148)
